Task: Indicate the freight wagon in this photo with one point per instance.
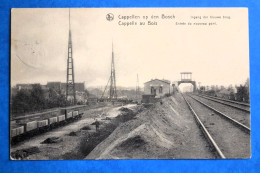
(42, 123)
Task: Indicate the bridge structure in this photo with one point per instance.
(186, 77)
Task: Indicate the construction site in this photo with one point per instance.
(160, 119)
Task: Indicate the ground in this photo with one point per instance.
(68, 141)
(164, 130)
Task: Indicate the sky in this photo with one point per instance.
(216, 55)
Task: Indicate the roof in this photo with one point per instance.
(186, 72)
(165, 81)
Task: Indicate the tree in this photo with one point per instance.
(247, 85)
(217, 88)
(243, 93)
(56, 99)
(20, 102)
(202, 89)
(37, 99)
(213, 87)
(222, 87)
(232, 95)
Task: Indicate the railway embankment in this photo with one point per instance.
(162, 131)
(90, 140)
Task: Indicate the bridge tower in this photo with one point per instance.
(186, 77)
(113, 91)
(70, 85)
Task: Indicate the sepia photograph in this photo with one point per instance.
(129, 83)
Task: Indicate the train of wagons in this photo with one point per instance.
(45, 121)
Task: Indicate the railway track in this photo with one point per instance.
(228, 137)
(232, 120)
(236, 114)
(237, 105)
(231, 101)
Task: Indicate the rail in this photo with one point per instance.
(205, 132)
(238, 124)
(231, 101)
(227, 104)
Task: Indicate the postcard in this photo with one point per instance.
(129, 83)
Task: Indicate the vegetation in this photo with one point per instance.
(241, 94)
(36, 99)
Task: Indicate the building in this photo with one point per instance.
(55, 86)
(25, 86)
(79, 87)
(45, 90)
(92, 99)
(157, 87)
(175, 87)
